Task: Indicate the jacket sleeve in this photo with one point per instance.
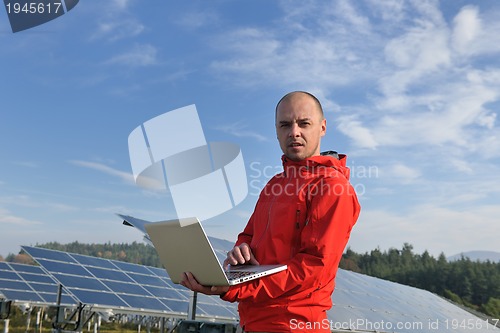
(331, 218)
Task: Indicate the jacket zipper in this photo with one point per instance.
(296, 234)
(297, 220)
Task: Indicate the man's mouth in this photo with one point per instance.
(295, 144)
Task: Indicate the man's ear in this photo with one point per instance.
(323, 127)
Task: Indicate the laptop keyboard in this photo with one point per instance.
(238, 275)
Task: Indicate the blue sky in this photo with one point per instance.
(411, 91)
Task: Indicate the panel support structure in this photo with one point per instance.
(192, 306)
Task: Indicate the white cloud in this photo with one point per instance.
(420, 92)
(405, 173)
(115, 20)
(238, 129)
(489, 145)
(197, 20)
(354, 129)
(139, 56)
(121, 4)
(19, 200)
(421, 50)
(467, 27)
(118, 29)
(26, 201)
(313, 47)
(124, 176)
(388, 10)
(352, 17)
(475, 33)
(6, 217)
(60, 207)
(27, 164)
(452, 114)
(426, 227)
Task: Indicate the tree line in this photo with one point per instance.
(474, 284)
(136, 253)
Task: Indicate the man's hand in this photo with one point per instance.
(239, 255)
(189, 281)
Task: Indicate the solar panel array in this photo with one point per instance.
(366, 303)
(124, 286)
(27, 283)
(361, 303)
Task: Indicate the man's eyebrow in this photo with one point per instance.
(290, 121)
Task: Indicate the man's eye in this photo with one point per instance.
(284, 125)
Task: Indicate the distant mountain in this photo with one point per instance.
(477, 255)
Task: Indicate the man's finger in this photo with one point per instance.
(189, 281)
(184, 281)
(238, 256)
(230, 259)
(253, 261)
(241, 254)
(246, 252)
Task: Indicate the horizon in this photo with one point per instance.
(449, 257)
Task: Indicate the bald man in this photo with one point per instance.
(303, 218)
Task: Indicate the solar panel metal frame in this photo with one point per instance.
(21, 283)
(356, 296)
(124, 287)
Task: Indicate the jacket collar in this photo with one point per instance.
(328, 159)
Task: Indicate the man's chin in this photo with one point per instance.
(295, 156)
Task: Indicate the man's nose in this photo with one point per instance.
(294, 130)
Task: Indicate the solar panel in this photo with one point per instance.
(366, 303)
(27, 283)
(361, 302)
(215, 306)
(123, 286)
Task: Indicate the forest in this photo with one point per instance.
(473, 284)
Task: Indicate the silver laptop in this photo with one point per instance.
(183, 246)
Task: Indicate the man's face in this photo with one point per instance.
(299, 127)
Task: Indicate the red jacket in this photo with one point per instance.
(303, 218)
